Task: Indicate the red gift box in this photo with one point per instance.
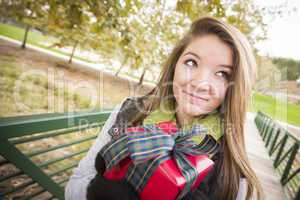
(167, 181)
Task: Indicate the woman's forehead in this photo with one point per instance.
(210, 48)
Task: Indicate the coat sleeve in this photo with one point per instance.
(207, 188)
(85, 171)
(242, 193)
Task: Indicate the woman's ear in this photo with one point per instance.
(100, 164)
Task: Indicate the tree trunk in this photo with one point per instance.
(73, 51)
(25, 37)
(142, 77)
(117, 73)
(122, 65)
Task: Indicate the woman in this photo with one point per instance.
(210, 71)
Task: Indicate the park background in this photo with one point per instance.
(74, 55)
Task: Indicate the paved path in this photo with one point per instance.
(261, 162)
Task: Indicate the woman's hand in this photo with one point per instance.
(102, 188)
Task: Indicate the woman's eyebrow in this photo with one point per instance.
(194, 54)
(227, 66)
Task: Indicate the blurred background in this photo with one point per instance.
(60, 56)
(102, 44)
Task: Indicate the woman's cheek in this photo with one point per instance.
(179, 77)
(220, 87)
(221, 96)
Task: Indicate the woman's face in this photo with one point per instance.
(202, 76)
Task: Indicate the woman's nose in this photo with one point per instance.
(201, 80)
(201, 85)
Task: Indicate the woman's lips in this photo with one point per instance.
(195, 99)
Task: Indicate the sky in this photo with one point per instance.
(283, 33)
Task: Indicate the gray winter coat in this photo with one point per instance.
(117, 121)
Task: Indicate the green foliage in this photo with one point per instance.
(67, 22)
(28, 12)
(87, 24)
(245, 15)
(138, 35)
(290, 68)
(146, 36)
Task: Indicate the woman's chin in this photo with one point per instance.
(194, 110)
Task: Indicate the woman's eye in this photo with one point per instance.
(190, 63)
(223, 74)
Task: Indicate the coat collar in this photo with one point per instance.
(213, 122)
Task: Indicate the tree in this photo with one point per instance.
(69, 23)
(147, 36)
(28, 12)
(153, 30)
(89, 24)
(112, 32)
(245, 15)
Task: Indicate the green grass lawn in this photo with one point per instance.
(283, 111)
(34, 38)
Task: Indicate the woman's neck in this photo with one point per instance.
(182, 119)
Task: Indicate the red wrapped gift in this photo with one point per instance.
(167, 181)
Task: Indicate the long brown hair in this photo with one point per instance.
(234, 161)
